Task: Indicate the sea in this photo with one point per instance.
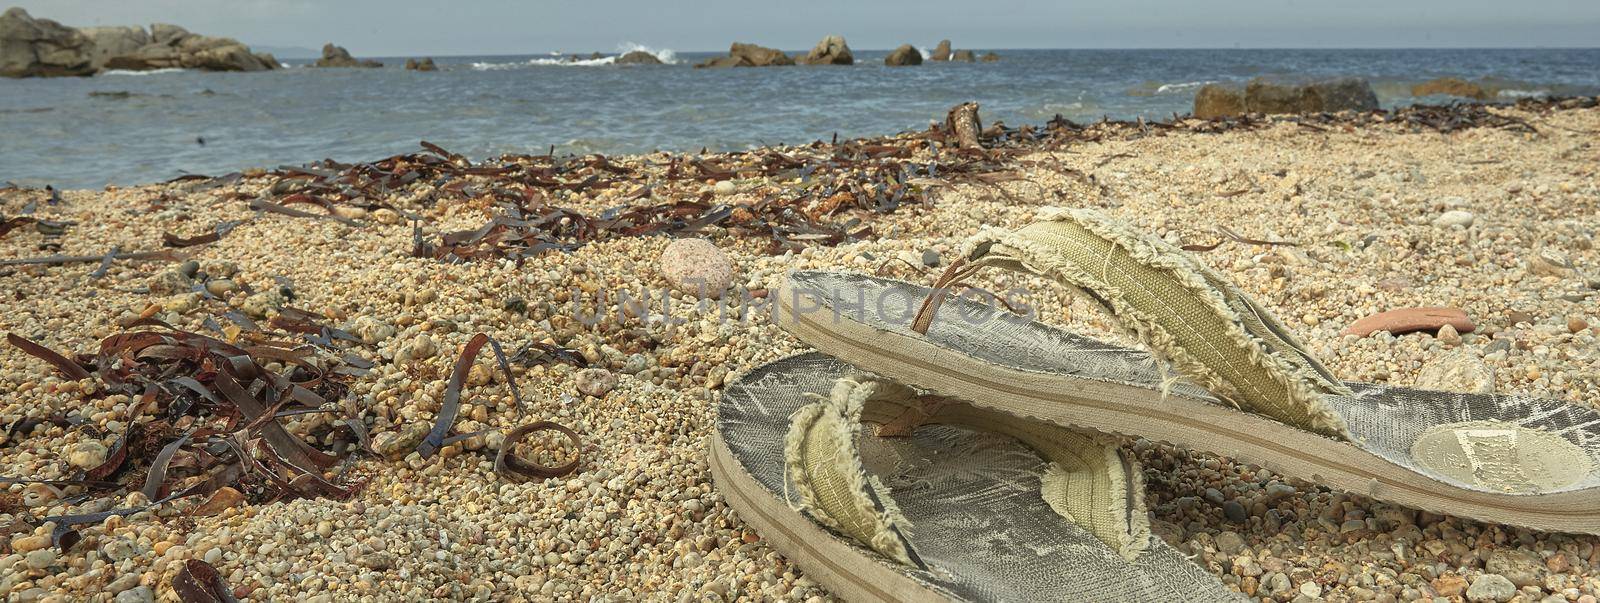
(129, 128)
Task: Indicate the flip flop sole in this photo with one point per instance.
(1003, 362)
(977, 519)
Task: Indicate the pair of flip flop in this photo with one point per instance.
(989, 468)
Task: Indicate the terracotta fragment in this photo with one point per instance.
(1410, 320)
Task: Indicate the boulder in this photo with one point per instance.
(1219, 100)
(759, 56)
(1264, 95)
(830, 51)
(1450, 86)
(721, 62)
(167, 34)
(990, 57)
(219, 54)
(114, 41)
(337, 56)
(425, 64)
(964, 56)
(906, 54)
(1271, 95)
(940, 52)
(32, 47)
(638, 57)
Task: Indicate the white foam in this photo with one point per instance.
(1515, 93)
(1181, 87)
(150, 72)
(665, 55)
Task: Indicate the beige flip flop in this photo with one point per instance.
(950, 503)
(1253, 392)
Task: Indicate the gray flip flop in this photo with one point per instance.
(953, 503)
(1509, 459)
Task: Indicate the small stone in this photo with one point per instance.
(40, 559)
(1311, 589)
(1491, 587)
(324, 528)
(189, 268)
(1447, 335)
(1455, 217)
(223, 498)
(396, 444)
(1522, 568)
(1235, 511)
(87, 455)
(385, 215)
(1576, 324)
(168, 282)
(138, 594)
(30, 543)
(220, 287)
(697, 267)
(1449, 585)
(1461, 371)
(1408, 320)
(596, 382)
(1230, 542)
(1549, 262)
(725, 188)
(930, 258)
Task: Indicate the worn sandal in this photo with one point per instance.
(1261, 397)
(951, 502)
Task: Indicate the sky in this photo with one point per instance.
(467, 27)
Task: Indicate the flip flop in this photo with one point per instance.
(1261, 397)
(951, 503)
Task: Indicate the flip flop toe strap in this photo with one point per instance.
(1180, 309)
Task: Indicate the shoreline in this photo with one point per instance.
(415, 253)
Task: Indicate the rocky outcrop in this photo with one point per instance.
(95, 49)
(940, 52)
(337, 56)
(906, 54)
(990, 58)
(830, 51)
(638, 57)
(32, 47)
(426, 64)
(963, 56)
(749, 55)
(1271, 95)
(1450, 86)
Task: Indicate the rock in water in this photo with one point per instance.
(1219, 100)
(906, 54)
(32, 47)
(114, 41)
(697, 267)
(759, 56)
(1274, 95)
(1458, 372)
(337, 56)
(425, 64)
(963, 56)
(830, 51)
(940, 52)
(596, 382)
(638, 57)
(990, 57)
(1450, 86)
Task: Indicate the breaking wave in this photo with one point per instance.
(150, 72)
(1515, 93)
(665, 55)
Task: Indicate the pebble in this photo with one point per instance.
(1235, 511)
(220, 287)
(1408, 320)
(596, 382)
(696, 266)
(725, 188)
(87, 455)
(1461, 371)
(40, 559)
(1576, 324)
(223, 498)
(930, 258)
(137, 594)
(1455, 217)
(1550, 262)
(1491, 587)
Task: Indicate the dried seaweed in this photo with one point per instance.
(57, 260)
(505, 463)
(1229, 234)
(217, 411)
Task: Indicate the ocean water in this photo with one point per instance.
(129, 129)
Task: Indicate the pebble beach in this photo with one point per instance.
(1498, 220)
